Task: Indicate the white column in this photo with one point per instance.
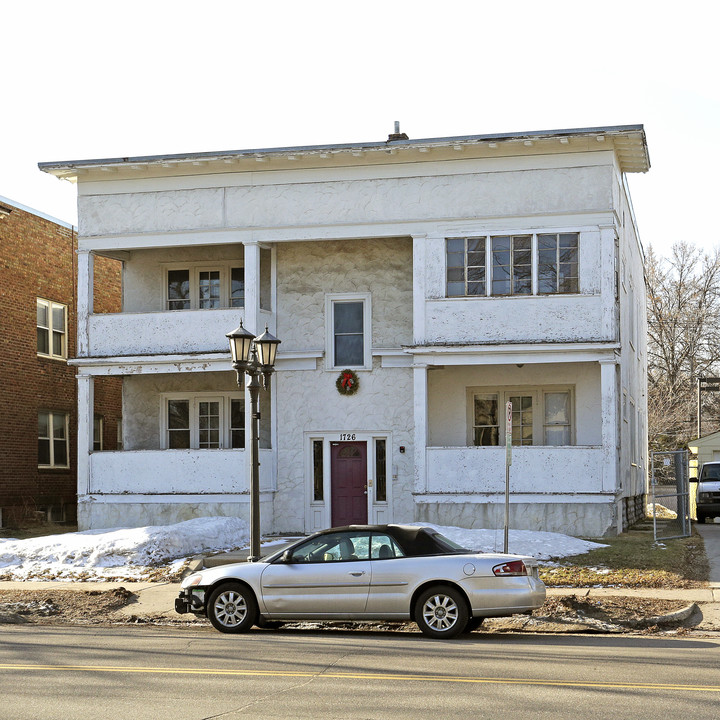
(609, 269)
(610, 414)
(84, 300)
(252, 288)
(421, 426)
(419, 287)
(86, 411)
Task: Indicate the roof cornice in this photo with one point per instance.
(628, 141)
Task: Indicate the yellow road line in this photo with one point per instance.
(362, 676)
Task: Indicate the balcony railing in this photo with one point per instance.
(533, 470)
(175, 472)
(161, 333)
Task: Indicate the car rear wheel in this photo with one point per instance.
(441, 612)
(232, 608)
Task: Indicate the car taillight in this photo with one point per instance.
(514, 567)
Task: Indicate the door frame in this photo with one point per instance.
(318, 512)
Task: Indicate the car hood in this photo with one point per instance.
(709, 486)
(242, 571)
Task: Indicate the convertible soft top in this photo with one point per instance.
(414, 540)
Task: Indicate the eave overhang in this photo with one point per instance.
(628, 142)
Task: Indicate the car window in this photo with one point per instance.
(336, 547)
(711, 472)
(383, 547)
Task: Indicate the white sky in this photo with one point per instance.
(88, 79)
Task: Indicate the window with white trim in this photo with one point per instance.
(523, 264)
(201, 287)
(203, 421)
(540, 416)
(348, 331)
(51, 329)
(53, 440)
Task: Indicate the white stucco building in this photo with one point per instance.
(451, 275)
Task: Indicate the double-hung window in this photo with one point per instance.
(53, 440)
(525, 264)
(205, 288)
(348, 331)
(540, 416)
(51, 329)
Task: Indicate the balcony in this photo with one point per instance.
(472, 470)
(175, 472)
(161, 333)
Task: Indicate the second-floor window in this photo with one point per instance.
(203, 288)
(348, 331)
(527, 264)
(51, 329)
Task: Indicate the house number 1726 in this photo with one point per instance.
(347, 436)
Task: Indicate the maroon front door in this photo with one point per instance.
(348, 482)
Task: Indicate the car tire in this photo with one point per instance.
(473, 624)
(232, 608)
(441, 612)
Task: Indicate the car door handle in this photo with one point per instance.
(358, 574)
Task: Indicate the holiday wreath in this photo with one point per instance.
(347, 383)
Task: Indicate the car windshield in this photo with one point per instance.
(711, 472)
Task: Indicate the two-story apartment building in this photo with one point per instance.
(448, 276)
(38, 400)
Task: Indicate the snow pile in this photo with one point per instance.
(159, 552)
(535, 543)
(124, 553)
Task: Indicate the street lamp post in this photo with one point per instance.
(254, 357)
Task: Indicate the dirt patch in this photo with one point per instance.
(617, 610)
(61, 606)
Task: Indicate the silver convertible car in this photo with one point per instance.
(363, 573)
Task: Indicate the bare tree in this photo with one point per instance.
(683, 341)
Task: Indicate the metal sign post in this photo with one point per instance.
(508, 463)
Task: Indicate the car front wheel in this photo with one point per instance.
(441, 612)
(232, 608)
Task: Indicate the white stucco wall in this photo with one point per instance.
(314, 200)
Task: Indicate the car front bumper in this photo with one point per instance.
(190, 600)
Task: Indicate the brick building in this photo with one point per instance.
(38, 400)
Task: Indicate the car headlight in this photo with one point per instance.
(192, 581)
(704, 497)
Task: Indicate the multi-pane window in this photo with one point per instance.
(205, 288)
(466, 267)
(540, 416)
(557, 263)
(512, 265)
(53, 440)
(522, 419)
(546, 263)
(204, 422)
(51, 329)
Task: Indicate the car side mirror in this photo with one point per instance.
(287, 557)
(694, 479)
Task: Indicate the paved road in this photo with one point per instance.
(134, 672)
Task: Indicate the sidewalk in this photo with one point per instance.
(155, 602)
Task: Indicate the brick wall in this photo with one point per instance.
(38, 260)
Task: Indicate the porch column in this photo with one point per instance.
(84, 300)
(609, 412)
(252, 288)
(421, 426)
(609, 269)
(86, 411)
(419, 289)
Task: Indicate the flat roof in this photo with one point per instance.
(12, 205)
(629, 143)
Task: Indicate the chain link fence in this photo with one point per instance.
(670, 486)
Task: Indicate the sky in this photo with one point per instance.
(87, 79)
